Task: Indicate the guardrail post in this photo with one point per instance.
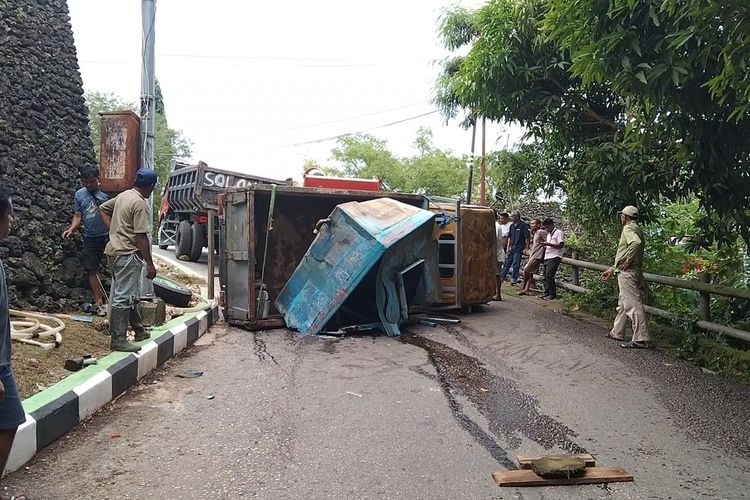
(574, 276)
(704, 307)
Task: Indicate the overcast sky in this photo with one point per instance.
(247, 82)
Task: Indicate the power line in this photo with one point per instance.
(284, 58)
(334, 137)
(330, 138)
(298, 62)
(338, 120)
(272, 65)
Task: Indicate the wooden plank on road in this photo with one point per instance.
(593, 475)
(525, 460)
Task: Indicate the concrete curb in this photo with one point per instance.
(55, 411)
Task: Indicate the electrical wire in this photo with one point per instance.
(334, 137)
(338, 120)
(330, 138)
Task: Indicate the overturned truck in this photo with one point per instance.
(303, 253)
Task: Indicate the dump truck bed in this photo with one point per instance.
(195, 188)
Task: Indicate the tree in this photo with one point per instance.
(169, 143)
(517, 174)
(632, 101)
(432, 172)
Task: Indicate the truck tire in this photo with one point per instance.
(172, 292)
(197, 242)
(184, 239)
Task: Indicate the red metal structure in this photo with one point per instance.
(310, 179)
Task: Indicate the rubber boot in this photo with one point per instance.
(498, 284)
(136, 322)
(118, 329)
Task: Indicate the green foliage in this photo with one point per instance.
(159, 100)
(602, 299)
(713, 354)
(519, 173)
(637, 101)
(168, 143)
(431, 171)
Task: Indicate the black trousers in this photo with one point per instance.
(550, 270)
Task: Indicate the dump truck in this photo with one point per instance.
(190, 192)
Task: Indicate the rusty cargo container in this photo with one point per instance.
(467, 253)
(120, 150)
(242, 225)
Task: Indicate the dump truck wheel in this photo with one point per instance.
(197, 242)
(184, 239)
(172, 292)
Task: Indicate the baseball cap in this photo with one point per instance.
(146, 177)
(630, 211)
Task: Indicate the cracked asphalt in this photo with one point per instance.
(430, 415)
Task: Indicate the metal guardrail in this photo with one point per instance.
(704, 287)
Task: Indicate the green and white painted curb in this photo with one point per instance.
(53, 412)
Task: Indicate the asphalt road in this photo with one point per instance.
(197, 267)
(428, 416)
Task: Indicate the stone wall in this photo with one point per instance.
(44, 142)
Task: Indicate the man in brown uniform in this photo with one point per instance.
(128, 217)
(628, 267)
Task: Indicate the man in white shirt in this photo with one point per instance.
(502, 226)
(552, 257)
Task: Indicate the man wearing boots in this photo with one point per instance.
(128, 217)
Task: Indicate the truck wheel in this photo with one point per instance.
(184, 239)
(198, 241)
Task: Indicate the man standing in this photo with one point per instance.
(11, 411)
(536, 255)
(518, 241)
(128, 217)
(552, 257)
(87, 202)
(501, 230)
(628, 267)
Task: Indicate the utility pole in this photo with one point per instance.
(483, 166)
(471, 159)
(148, 79)
(148, 110)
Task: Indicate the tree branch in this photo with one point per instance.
(586, 109)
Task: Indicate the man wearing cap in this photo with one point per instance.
(628, 268)
(128, 217)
